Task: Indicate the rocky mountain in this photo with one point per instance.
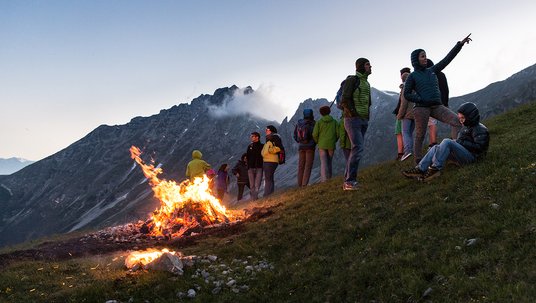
(93, 183)
(11, 165)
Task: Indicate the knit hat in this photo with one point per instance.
(325, 110)
(308, 113)
(415, 58)
(360, 65)
(272, 129)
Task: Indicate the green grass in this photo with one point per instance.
(388, 242)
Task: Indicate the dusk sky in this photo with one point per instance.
(67, 67)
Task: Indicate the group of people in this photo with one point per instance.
(259, 160)
(423, 100)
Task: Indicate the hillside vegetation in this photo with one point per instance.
(467, 236)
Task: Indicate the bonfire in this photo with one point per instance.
(185, 208)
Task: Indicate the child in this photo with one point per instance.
(197, 167)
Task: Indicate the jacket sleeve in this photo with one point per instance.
(403, 106)
(316, 132)
(409, 90)
(450, 56)
(295, 135)
(272, 149)
(348, 96)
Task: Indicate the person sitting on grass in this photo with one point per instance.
(471, 144)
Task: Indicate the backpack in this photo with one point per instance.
(304, 132)
(338, 96)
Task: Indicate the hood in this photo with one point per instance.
(197, 154)
(470, 111)
(327, 118)
(415, 58)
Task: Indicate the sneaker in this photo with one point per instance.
(413, 173)
(350, 186)
(405, 156)
(431, 173)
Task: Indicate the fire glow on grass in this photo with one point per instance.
(184, 206)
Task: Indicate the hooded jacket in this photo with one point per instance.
(308, 122)
(196, 167)
(422, 86)
(326, 132)
(474, 136)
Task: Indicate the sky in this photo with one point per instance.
(67, 67)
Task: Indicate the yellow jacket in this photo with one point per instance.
(196, 167)
(269, 152)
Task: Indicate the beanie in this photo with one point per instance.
(415, 57)
(360, 65)
(325, 110)
(272, 129)
(308, 113)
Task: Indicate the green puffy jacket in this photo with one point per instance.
(326, 132)
(196, 167)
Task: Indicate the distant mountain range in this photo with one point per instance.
(11, 165)
(93, 183)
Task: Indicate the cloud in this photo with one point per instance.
(262, 103)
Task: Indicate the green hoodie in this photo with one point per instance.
(326, 132)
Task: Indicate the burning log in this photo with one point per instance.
(163, 260)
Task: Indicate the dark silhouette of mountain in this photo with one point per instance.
(93, 183)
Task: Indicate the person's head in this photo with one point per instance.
(308, 114)
(197, 154)
(270, 129)
(429, 63)
(404, 73)
(418, 59)
(244, 157)
(325, 110)
(223, 167)
(468, 114)
(362, 65)
(255, 137)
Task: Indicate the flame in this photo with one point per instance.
(145, 257)
(183, 206)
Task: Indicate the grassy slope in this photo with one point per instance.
(390, 241)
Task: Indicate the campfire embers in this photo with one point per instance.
(185, 208)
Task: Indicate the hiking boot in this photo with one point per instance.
(431, 173)
(350, 186)
(399, 156)
(413, 173)
(405, 156)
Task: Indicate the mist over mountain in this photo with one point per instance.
(11, 165)
(93, 183)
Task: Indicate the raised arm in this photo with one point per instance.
(451, 55)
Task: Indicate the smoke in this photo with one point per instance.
(261, 102)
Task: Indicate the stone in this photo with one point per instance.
(191, 293)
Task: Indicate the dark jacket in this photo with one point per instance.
(240, 170)
(309, 124)
(422, 86)
(474, 136)
(254, 155)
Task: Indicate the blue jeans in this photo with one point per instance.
(408, 126)
(448, 149)
(255, 179)
(269, 183)
(326, 160)
(356, 129)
